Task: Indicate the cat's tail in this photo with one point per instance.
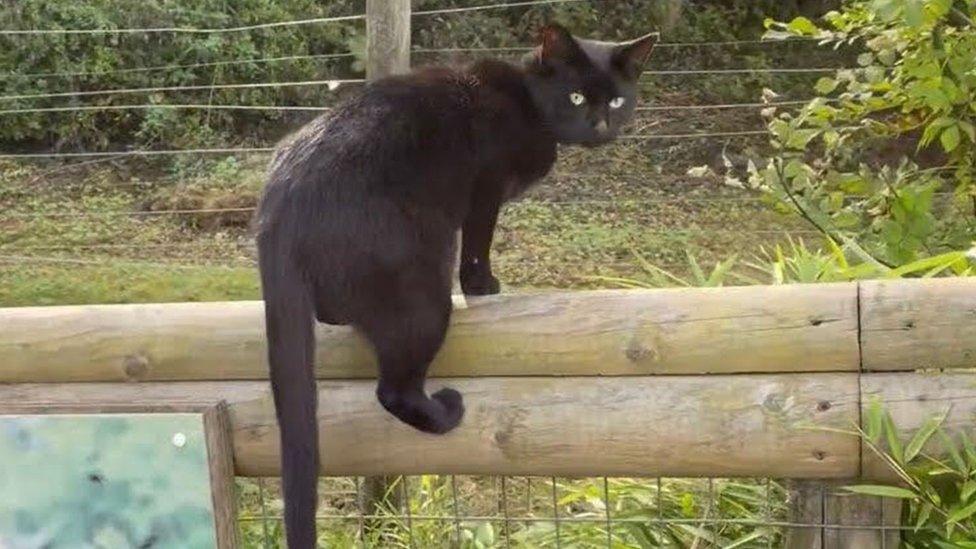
(289, 323)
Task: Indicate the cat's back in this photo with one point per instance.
(397, 123)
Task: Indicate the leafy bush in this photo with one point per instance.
(56, 63)
(51, 63)
(885, 155)
(796, 263)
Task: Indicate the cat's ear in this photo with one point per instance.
(555, 42)
(630, 57)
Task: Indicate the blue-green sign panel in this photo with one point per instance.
(110, 481)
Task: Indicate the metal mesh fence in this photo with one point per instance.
(488, 511)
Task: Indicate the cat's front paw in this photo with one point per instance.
(476, 280)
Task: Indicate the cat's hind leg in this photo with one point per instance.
(406, 334)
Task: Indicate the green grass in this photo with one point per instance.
(39, 284)
(65, 239)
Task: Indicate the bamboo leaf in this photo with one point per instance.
(891, 436)
(883, 491)
(963, 513)
(921, 437)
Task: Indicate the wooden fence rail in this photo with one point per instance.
(751, 381)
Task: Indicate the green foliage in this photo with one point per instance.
(643, 513)
(40, 64)
(50, 63)
(796, 263)
(937, 473)
(886, 155)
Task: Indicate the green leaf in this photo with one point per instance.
(923, 515)
(914, 14)
(970, 450)
(799, 139)
(969, 129)
(485, 534)
(802, 25)
(921, 437)
(950, 138)
(874, 419)
(950, 446)
(963, 513)
(891, 435)
(883, 491)
(968, 488)
(825, 85)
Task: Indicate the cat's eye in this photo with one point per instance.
(577, 98)
(617, 102)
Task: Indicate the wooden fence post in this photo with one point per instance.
(824, 503)
(387, 38)
(387, 53)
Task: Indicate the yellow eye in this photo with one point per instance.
(617, 102)
(577, 98)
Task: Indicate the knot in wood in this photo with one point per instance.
(135, 367)
(637, 351)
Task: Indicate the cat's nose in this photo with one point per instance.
(602, 127)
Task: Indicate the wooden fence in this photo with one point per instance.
(751, 381)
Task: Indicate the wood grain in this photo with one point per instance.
(913, 398)
(799, 328)
(387, 38)
(220, 453)
(742, 425)
(918, 324)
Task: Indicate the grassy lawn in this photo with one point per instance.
(101, 233)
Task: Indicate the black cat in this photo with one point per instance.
(358, 222)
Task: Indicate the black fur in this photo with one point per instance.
(357, 224)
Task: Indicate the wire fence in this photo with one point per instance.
(444, 511)
(461, 511)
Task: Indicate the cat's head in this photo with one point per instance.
(585, 89)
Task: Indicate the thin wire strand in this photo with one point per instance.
(771, 70)
(717, 106)
(737, 42)
(528, 201)
(278, 24)
(504, 5)
(555, 514)
(631, 520)
(606, 508)
(150, 106)
(249, 244)
(649, 108)
(227, 150)
(404, 481)
(186, 30)
(114, 261)
(232, 150)
(264, 512)
(359, 507)
(457, 509)
(659, 45)
(184, 66)
(332, 84)
(508, 524)
(702, 135)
